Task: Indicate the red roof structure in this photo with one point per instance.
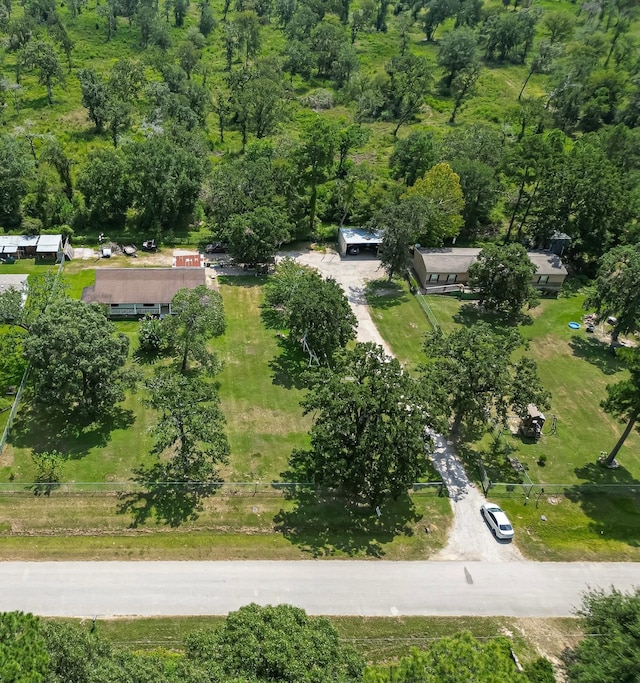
(188, 261)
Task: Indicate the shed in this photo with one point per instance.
(9, 245)
(558, 243)
(532, 423)
(49, 246)
(188, 261)
(131, 292)
(30, 246)
(352, 241)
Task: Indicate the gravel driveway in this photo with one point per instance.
(469, 539)
(351, 273)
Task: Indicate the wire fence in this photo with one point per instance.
(422, 301)
(529, 490)
(226, 489)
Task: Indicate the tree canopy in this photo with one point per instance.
(368, 436)
(198, 315)
(616, 291)
(460, 657)
(611, 651)
(474, 380)
(275, 644)
(315, 310)
(503, 275)
(623, 397)
(77, 359)
(23, 652)
(190, 426)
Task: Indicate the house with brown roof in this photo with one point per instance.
(438, 268)
(132, 292)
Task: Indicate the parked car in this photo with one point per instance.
(215, 248)
(497, 521)
(353, 251)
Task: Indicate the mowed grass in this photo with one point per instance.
(227, 527)
(259, 400)
(575, 368)
(378, 640)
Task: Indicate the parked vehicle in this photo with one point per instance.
(497, 521)
(149, 245)
(215, 248)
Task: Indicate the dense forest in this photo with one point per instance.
(264, 121)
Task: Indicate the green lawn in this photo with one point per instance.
(575, 368)
(377, 639)
(258, 388)
(260, 394)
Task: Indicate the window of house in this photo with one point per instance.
(543, 279)
(148, 304)
(433, 277)
(452, 277)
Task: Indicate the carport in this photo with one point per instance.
(352, 241)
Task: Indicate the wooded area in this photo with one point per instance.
(129, 116)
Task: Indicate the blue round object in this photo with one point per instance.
(574, 326)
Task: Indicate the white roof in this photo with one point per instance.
(360, 236)
(47, 243)
(44, 243)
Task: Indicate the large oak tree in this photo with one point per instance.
(368, 437)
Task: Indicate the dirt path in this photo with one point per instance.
(469, 539)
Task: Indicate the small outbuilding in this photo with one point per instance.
(532, 423)
(354, 241)
(133, 292)
(188, 261)
(31, 246)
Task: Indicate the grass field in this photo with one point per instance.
(379, 640)
(260, 395)
(575, 368)
(258, 390)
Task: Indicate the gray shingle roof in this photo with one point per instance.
(141, 285)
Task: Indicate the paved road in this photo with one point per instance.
(373, 588)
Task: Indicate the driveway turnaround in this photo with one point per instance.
(359, 588)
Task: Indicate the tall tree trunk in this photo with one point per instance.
(312, 206)
(524, 85)
(516, 207)
(527, 210)
(622, 439)
(183, 366)
(457, 422)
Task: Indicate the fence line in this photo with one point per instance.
(532, 489)
(243, 488)
(422, 301)
(23, 381)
